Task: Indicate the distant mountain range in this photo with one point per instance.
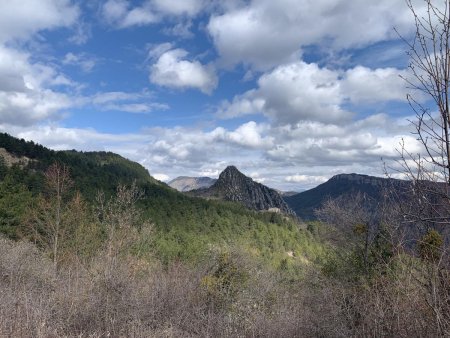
(232, 185)
(94, 171)
(306, 202)
(185, 183)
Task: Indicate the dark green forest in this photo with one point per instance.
(184, 226)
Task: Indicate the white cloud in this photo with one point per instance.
(250, 135)
(27, 88)
(256, 176)
(177, 7)
(174, 71)
(20, 19)
(181, 29)
(155, 51)
(291, 93)
(264, 33)
(247, 104)
(118, 13)
(362, 84)
(306, 179)
(161, 177)
(298, 92)
(81, 60)
(60, 138)
(25, 97)
(31, 107)
(139, 16)
(301, 91)
(140, 102)
(82, 33)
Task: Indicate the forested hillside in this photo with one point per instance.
(185, 226)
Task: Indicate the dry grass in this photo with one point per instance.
(123, 296)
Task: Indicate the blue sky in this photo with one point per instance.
(292, 92)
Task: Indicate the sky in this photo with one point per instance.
(291, 92)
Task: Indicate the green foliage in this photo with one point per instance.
(3, 168)
(430, 246)
(15, 201)
(184, 228)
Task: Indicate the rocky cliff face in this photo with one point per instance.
(232, 185)
(184, 183)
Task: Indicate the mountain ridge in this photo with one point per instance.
(305, 202)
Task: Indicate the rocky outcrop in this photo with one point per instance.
(10, 159)
(232, 185)
(184, 183)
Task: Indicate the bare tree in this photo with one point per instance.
(429, 54)
(429, 51)
(48, 218)
(426, 210)
(358, 218)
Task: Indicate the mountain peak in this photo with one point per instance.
(231, 173)
(231, 169)
(233, 185)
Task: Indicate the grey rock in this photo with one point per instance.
(232, 185)
(185, 183)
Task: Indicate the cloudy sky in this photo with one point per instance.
(292, 92)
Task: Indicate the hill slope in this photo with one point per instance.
(184, 227)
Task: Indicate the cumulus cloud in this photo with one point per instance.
(308, 179)
(365, 85)
(174, 71)
(26, 96)
(20, 19)
(32, 107)
(263, 33)
(302, 155)
(311, 133)
(250, 135)
(299, 91)
(57, 137)
(176, 7)
(285, 157)
(118, 13)
(27, 88)
(291, 93)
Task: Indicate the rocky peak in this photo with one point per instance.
(233, 185)
(231, 176)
